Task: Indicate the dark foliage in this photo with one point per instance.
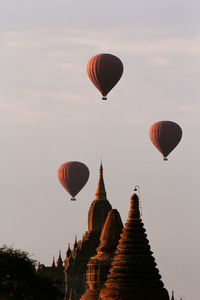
(19, 279)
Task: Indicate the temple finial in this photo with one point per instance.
(59, 261)
(68, 250)
(134, 212)
(99, 207)
(75, 242)
(100, 191)
(53, 263)
(172, 298)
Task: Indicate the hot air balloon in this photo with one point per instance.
(73, 175)
(165, 135)
(104, 70)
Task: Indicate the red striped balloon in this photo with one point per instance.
(104, 70)
(73, 175)
(165, 135)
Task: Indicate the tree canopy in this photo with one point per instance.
(19, 279)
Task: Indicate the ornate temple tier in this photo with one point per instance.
(133, 275)
(99, 265)
(76, 263)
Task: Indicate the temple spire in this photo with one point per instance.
(134, 274)
(53, 263)
(100, 191)
(59, 261)
(99, 208)
(134, 212)
(172, 298)
(110, 234)
(75, 242)
(68, 251)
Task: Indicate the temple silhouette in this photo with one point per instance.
(111, 262)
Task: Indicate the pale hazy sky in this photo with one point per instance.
(51, 113)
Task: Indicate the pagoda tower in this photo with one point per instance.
(99, 265)
(134, 275)
(99, 208)
(76, 263)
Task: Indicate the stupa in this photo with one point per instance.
(134, 275)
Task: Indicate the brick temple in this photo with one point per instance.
(111, 262)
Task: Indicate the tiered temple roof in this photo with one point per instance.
(134, 275)
(99, 208)
(99, 265)
(110, 234)
(76, 263)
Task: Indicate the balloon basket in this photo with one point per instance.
(73, 199)
(165, 158)
(104, 98)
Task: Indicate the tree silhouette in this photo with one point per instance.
(19, 279)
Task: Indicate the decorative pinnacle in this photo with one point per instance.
(100, 191)
(172, 298)
(68, 250)
(53, 263)
(59, 261)
(134, 212)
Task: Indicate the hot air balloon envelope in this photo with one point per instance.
(73, 175)
(165, 135)
(104, 70)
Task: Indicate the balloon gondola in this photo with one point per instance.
(104, 70)
(73, 176)
(165, 135)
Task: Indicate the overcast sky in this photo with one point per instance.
(51, 113)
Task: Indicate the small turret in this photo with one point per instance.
(75, 242)
(172, 298)
(68, 251)
(53, 263)
(59, 263)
